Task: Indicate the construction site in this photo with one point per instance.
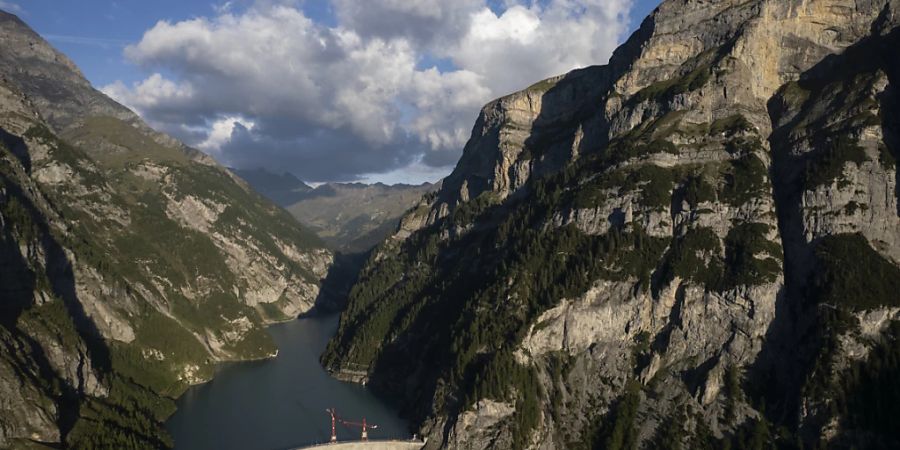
(363, 443)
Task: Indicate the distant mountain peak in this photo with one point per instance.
(350, 217)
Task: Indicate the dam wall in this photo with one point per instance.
(370, 445)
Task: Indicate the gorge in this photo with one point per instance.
(695, 246)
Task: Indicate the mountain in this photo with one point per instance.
(694, 246)
(354, 217)
(348, 217)
(131, 264)
(284, 189)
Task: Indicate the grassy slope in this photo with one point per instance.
(355, 217)
(151, 248)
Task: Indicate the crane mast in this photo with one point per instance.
(333, 414)
(363, 425)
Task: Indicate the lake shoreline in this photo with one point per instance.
(279, 402)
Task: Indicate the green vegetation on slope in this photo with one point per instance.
(355, 217)
(116, 224)
(114, 143)
(622, 434)
(691, 81)
(130, 416)
(869, 395)
(749, 258)
(746, 179)
(455, 305)
(870, 281)
(456, 281)
(743, 178)
(827, 165)
(493, 267)
(851, 276)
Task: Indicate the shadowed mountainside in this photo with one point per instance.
(694, 246)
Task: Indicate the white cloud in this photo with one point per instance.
(525, 44)
(298, 88)
(221, 131)
(148, 94)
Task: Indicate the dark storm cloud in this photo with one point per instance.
(324, 155)
(423, 22)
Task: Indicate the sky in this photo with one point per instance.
(328, 90)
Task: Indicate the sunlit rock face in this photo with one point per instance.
(131, 263)
(697, 242)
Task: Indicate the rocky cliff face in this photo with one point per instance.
(130, 263)
(692, 246)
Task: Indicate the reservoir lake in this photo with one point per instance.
(279, 403)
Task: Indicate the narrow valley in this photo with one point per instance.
(273, 225)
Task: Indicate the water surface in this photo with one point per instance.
(279, 403)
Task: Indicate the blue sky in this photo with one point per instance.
(95, 34)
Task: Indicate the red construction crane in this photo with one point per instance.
(335, 418)
(333, 414)
(363, 425)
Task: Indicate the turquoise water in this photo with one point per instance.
(279, 403)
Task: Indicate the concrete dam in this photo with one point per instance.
(369, 445)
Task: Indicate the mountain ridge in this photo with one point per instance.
(349, 217)
(131, 263)
(283, 190)
(354, 217)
